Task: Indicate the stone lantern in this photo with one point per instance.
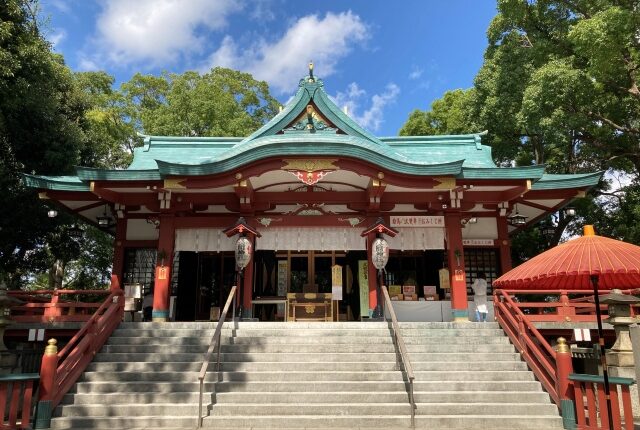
(621, 353)
(7, 359)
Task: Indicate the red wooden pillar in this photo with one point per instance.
(372, 275)
(164, 263)
(247, 284)
(117, 271)
(455, 258)
(504, 244)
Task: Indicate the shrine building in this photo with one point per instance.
(306, 186)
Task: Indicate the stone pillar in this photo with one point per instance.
(620, 358)
(455, 258)
(162, 285)
(372, 275)
(117, 272)
(504, 244)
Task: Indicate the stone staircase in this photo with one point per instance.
(308, 375)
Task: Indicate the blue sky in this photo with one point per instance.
(382, 59)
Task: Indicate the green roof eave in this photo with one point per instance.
(92, 174)
(283, 118)
(311, 91)
(526, 172)
(58, 183)
(339, 118)
(324, 145)
(581, 180)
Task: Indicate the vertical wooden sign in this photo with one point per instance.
(363, 283)
(336, 282)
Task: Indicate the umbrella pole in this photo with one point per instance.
(603, 357)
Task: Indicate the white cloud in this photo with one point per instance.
(373, 117)
(157, 31)
(57, 36)
(87, 65)
(282, 62)
(61, 5)
(416, 73)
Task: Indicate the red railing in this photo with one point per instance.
(16, 393)
(553, 368)
(527, 339)
(46, 306)
(590, 398)
(60, 370)
(569, 306)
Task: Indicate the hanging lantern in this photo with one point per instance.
(244, 250)
(379, 253)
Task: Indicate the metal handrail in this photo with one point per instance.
(215, 341)
(403, 354)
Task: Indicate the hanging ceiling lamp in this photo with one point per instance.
(104, 221)
(516, 219)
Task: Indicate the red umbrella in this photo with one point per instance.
(582, 263)
(572, 264)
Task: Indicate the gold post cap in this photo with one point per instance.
(562, 345)
(588, 231)
(51, 348)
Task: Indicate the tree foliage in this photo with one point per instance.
(558, 86)
(52, 119)
(222, 102)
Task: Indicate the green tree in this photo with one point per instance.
(452, 114)
(222, 102)
(40, 116)
(559, 86)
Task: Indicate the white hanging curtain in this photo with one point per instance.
(418, 238)
(311, 238)
(203, 239)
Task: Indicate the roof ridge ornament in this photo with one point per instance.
(311, 78)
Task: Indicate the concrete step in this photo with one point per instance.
(501, 346)
(300, 357)
(309, 366)
(310, 397)
(293, 376)
(353, 325)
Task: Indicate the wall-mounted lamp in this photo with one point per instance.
(75, 232)
(471, 220)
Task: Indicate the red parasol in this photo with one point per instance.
(571, 265)
(588, 262)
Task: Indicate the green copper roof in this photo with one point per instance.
(526, 172)
(311, 90)
(62, 183)
(579, 180)
(323, 131)
(287, 145)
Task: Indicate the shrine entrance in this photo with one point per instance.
(281, 272)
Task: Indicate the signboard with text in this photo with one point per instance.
(478, 242)
(336, 282)
(417, 221)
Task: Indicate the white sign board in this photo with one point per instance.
(417, 221)
(478, 242)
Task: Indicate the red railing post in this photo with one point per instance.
(564, 309)
(47, 385)
(53, 310)
(565, 391)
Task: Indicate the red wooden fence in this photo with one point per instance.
(16, 393)
(46, 306)
(591, 409)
